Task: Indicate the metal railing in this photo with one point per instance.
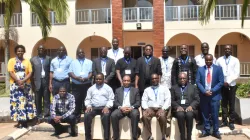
(182, 13)
(138, 14)
(2, 69)
(245, 69)
(93, 16)
(52, 18)
(230, 12)
(16, 20)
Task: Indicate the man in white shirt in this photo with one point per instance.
(200, 59)
(115, 52)
(231, 70)
(166, 67)
(156, 101)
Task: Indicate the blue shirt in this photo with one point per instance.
(60, 67)
(80, 67)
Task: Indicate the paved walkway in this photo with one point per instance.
(6, 129)
(4, 103)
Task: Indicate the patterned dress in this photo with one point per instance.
(21, 100)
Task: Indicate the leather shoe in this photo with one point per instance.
(218, 136)
(223, 124)
(73, 134)
(203, 134)
(231, 126)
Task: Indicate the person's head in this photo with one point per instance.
(103, 52)
(80, 53)
(19, 51)
(62, 92)
(204, 48)
(228, 50)
(127, 52)
(209, 60)
(99, 79)
(41, 50)
(165, 52)
(184, 50)
(148, 50)
(126, 80)
(61, 51)
(182, 77)
(155, 79)
(115, 43)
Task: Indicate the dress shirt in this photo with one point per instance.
(200, 60)
(98, 96)
(80, 67)
(163, 99)
(115, 54)
(126, 99)
(231, 69)
(43, 71)
(60, 67)
(62, 106)
(103, 64)
(207, 86)
(166, 68)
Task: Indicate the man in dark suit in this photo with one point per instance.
(185, 101)
(40, 80)
(210, 80)
(146, 66)
(104, 65)
(126, 103)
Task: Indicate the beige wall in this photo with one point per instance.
(92, 4)
(133, 38)
(12, 47)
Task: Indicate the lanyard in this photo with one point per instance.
(166, 63)
(126, 94)
(104, 63)
(41, 60)
(147, 60)
(60, 60)
(227, 62)
(128, 62)
(81, 63)
(182, 91)
(115, 52)
(184, 62)
(155, 92)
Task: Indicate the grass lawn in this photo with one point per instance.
(3, 93)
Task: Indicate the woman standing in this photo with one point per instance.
(21, 101)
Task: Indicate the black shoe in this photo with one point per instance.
(218, 136)
(73, 134)
(223, 124)
(56, 134)
(203, 134)
(231, 126)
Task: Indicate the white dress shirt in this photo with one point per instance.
(200, 60)
(159, 98)
(231, 69)
(115, 54)
(126, 99)
(166, 68)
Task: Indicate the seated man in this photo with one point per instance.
(99, 101)
(62, 109)
(185, 100)
(156, 101)
(127, 101)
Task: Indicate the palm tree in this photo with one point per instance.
(209, 6)
(40, 8)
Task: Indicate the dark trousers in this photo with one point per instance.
(207, 107)
(57, 84)
(80, 91)
(105, 118)
(59, 128)
(183, 117)
(227, 103)
(116, 115)
(43, 95)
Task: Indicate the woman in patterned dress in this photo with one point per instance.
(21, 100)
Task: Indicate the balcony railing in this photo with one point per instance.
(16, 20)
(93, 16)
(2, 69)
(245, 69)
(138, 14)
(230, 12)
(183, 13)
(52, 18)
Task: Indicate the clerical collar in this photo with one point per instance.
(148, 56)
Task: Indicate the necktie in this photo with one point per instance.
(208, 76)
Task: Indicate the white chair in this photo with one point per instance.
(97, 129)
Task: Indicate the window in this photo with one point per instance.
(51, 52)
(219, 51)
(95, 53)
(175, 51)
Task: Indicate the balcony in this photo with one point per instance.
(138, 14)
(230, 12)
(245, 69)
(183, 13)
(93, 16)
(52, 18)
(16, 20)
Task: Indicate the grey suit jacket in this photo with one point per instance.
(110, 68)
(135, 99)
(37, 69)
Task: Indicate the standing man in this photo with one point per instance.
(127, 101)
(99, 101)
(185, 101)
(145, 67)
(185, 64)
(200, 59)
(59, 70)
(231, 70)
(156, 101)
(166, 67)
(115, 52)
(104, 65)
(80, 71)
(126, 66)
(40, 80)
(210, 80)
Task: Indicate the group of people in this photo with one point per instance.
(115, 85)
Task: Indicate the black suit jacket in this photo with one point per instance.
(37, 69)
(135, 99)
(110, 68)
(192, 95)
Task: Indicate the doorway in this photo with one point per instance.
(136, 52)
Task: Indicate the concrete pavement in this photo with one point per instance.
(5, 109)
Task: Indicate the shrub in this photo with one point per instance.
(243, 90)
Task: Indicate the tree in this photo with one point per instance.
(209, 6)
(40, 8)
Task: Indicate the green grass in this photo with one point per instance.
(3, 93)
